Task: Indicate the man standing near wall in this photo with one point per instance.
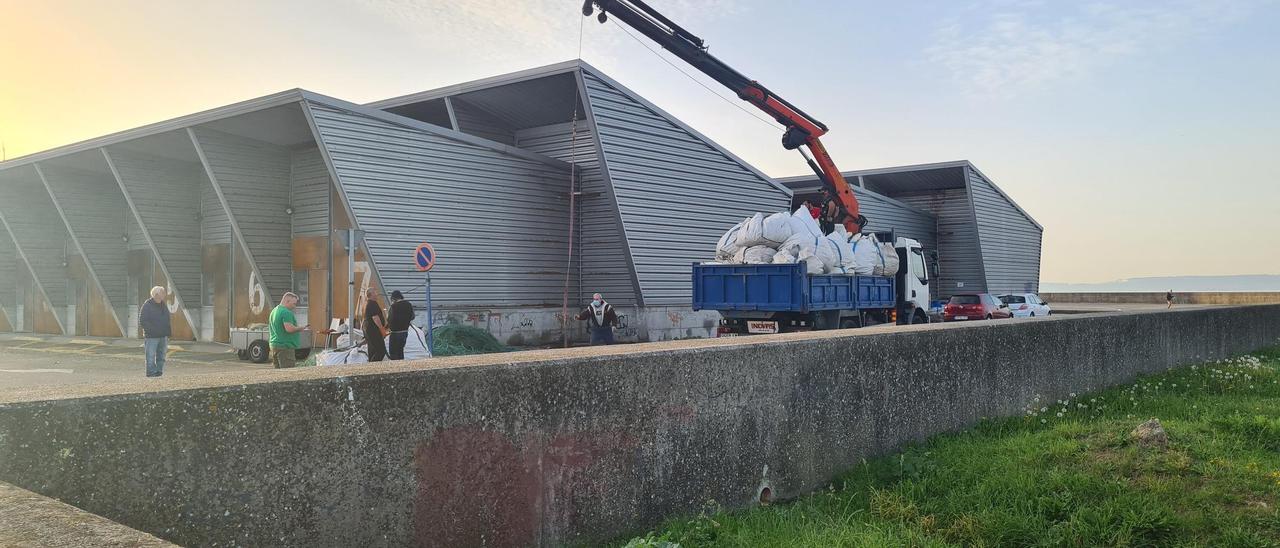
(374, 327)
(602, 319)
(399, 314)
(284, 330)
(153, 319)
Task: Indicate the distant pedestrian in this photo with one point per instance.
(283, 326)
(399, 314)
(153, 320)
(1168, 297)
(375, 327)
(602, 320)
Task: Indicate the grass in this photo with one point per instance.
(1066, 473)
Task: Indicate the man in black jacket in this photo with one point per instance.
(399, 314)
(602, 318)
(153, 320)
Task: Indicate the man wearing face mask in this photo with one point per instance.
(602, 320)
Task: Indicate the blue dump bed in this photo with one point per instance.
(785, 288)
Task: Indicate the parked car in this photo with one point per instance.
(974, 306)
(1026, 305)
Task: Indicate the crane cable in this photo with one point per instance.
(735, 104)
(573, 194)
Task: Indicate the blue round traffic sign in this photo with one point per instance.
(424, 257)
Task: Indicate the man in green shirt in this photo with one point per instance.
(284, 332)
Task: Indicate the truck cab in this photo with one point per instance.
(913, 281)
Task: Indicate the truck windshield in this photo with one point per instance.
(965, 299)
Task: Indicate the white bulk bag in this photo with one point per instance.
(758, 254)
(867, 255)
(728, 244)
(761, 230)
(802, 222)
(890, 266)
(784, 256)
(820, 248)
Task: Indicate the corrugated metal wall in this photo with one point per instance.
(1010, 241)
(959, 259)
(255, 180)
(166, 194)
(137, 240)
(93, 205)
(497, 221)
(37, 229)
(215, 226)
(885, 214)
(310, 193)
(598, 245)
(8, 274)
(676, 193)
(477, 122)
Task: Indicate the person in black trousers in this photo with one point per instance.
(399, 314)
(374, 326)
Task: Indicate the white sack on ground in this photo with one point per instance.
(761, 230)
(760, 254)
(415, 348)
(728, 244)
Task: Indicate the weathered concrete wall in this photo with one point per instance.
(1201, 297)
(567, 446)
(28, 519)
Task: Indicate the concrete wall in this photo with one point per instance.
(28, 519)
(1202, 297)
(567, 447)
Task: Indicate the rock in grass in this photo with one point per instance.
(1150, 434)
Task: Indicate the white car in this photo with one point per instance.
(1026, 305)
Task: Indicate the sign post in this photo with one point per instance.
(424, 257)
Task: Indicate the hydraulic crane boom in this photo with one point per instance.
(803, 131)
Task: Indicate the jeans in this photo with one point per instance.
(156, 347)
(601, 335)
(398, 338)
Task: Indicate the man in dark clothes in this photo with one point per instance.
(399, 314)
(827, 220)
(374, 327)
(153, 320)
(602, 318)
(1169, 298)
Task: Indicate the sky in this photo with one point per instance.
(1143, 135)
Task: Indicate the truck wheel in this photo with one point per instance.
(918, 317)
(850, 323)
(259, 352)
(302, 353)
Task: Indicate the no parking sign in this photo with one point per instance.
(424, 257)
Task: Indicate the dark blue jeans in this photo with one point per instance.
(601, 335)
(398, 338)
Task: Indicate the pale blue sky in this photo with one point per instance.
(1143, 135)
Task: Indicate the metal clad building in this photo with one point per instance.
(536, 189)
(983, 239)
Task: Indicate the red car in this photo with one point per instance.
(975, 306)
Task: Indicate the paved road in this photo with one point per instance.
(28, 363)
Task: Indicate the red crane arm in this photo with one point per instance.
(803, 131)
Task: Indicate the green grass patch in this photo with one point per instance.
(1066, 473)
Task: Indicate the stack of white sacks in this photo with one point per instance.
(784, 238)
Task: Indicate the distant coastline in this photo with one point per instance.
(1258, 282)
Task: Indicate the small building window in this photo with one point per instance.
(301, 286)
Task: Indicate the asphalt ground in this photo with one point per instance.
(30, 362)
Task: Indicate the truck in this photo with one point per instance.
(781, 298)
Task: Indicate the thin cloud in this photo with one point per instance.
(1013, 46)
